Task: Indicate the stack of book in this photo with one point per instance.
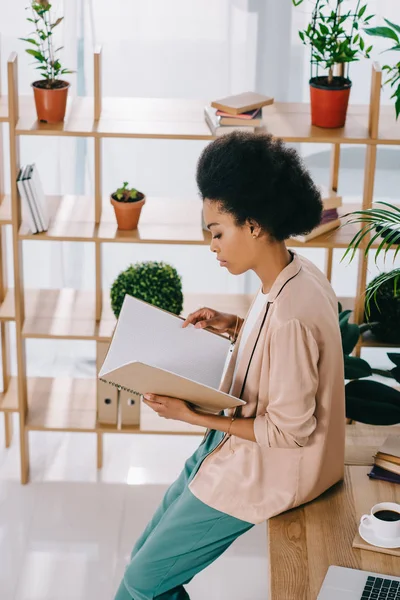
(330, 216)
(34, 206)
(242, 112)
(387, 461)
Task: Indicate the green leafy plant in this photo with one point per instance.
(391, 33)
(384, 308)
(42, 41)
(157, 283)
(335, 35)
(124, 194)
(367, 401)
(385, 223)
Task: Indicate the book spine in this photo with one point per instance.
(34, 203)
(31, 199)
(25, 203)
(40, 197)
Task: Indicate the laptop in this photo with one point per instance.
(353, 584)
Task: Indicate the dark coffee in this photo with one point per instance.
(387, 515)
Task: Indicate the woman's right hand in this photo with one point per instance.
(208, 318)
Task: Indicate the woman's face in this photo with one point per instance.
(234, 246)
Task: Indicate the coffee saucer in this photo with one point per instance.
(369, 536)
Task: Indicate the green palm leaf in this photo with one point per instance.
(387, 219)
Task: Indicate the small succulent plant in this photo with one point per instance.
(124, 194)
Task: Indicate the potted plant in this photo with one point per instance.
(128, 204)
(382, 223)
(50, 92)
(367, 401)
(157, 283)
(335, 38)
(392, 33)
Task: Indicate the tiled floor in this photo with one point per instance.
(67, 535)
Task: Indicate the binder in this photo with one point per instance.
(38, 193)
(129, 408)
(150, 352)
(107, 396)
(26, 208)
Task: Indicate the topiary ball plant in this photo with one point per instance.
(157, 283)
(384, 311)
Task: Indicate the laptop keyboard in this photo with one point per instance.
(378, 588)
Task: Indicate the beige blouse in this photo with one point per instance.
(291, 374)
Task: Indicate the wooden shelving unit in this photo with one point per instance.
(8, 400)
(64, 404)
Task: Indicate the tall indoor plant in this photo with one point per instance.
(51, 91)
(391, 32)
(334, 36)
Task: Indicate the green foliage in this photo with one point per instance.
(391, 33)
(334, 34)
(367, 401)
(42, 41)
(354, 367)
(384, 307)
(372, 402)
(157, 283)
(123, 194)
(385, 223)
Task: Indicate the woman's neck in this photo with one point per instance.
(275, 258)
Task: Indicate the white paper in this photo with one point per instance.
(149, 335)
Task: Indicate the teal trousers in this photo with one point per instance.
(183, 538)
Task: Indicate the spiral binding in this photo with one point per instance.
(120, 387)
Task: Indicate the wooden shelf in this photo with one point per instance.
(3, 109)
(151, 423)
(67, 404)
(9, 398)
(78, 120)
(70, 314)
(5, 210)
(7, 307)
(389, 128)
(65, 314)
(174, 118)
(162, 221)
(292, 122)
(61, 404)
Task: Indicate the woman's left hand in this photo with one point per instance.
(169, 408)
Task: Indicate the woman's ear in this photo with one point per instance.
(254, 228)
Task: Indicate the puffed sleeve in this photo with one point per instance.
(289, 419)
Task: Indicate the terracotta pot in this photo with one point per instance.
(128, 213)
(329, 103)
(50, 104)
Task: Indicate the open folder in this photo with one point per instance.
(150, 352)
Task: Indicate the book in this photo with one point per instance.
(329, 198)
(246, 116)
(319, 230)
(37, 189)
(151, 352)
(32, 199)
(379, 473)
(218, 120)
(387, 465)
(390, 450)
(217, 129)
(27, 212)
(241, 103)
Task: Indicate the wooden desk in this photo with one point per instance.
(304, 542)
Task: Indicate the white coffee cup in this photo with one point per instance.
(381, 527)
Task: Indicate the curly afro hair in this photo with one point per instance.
(254, 176)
